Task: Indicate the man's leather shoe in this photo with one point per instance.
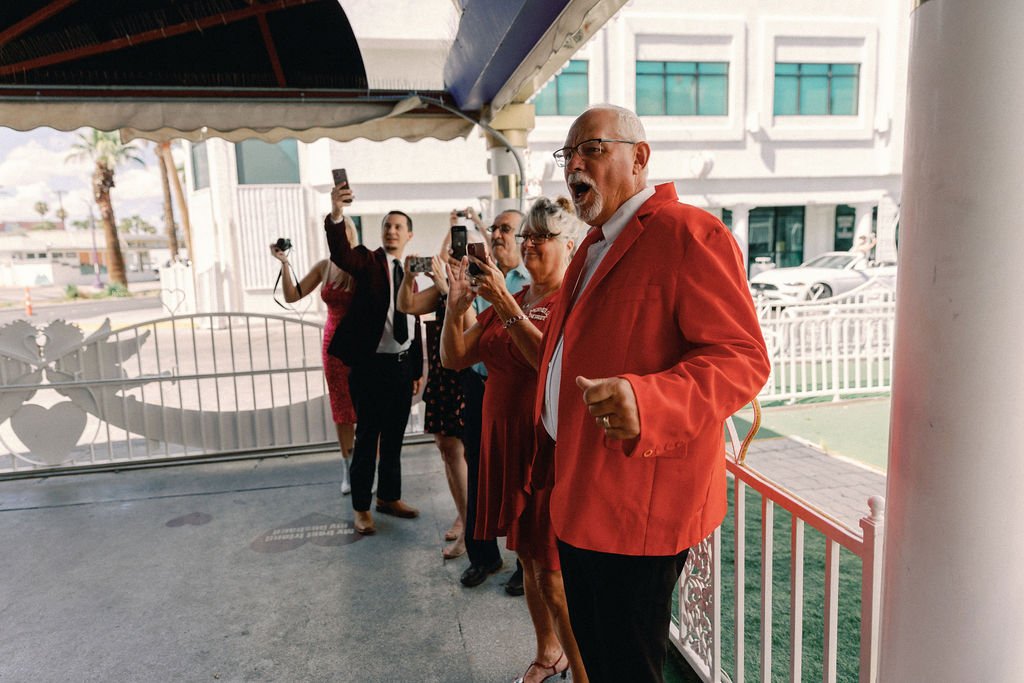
(364, 524)
(397, 508)
(476, 574)
(514, 585)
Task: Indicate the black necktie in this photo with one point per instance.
(400, 326)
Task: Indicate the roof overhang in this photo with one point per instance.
(505, 51)
(266, 68)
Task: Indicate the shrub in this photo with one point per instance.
(71, 291)
(117, 290)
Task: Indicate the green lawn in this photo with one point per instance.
(856, 429)
(814, 601)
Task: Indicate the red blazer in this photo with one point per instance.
(668, 310)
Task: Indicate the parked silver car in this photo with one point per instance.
(824, 276)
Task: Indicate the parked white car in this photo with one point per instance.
(824, 276)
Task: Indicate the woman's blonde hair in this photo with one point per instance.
(557, 216)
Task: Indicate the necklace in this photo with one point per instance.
(529, 302)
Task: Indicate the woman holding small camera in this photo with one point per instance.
(336, 287)
(506, 337)
(442, 395)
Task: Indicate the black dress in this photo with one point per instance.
(443, 394)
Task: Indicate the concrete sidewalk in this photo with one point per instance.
(243, 571)
(249, 571)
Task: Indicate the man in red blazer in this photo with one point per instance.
(382, 347)
(653, 343)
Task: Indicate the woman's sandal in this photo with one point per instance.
(552, 668)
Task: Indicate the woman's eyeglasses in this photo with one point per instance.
(537, 237)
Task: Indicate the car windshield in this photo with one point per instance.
(831, 261)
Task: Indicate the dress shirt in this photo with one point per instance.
(612, 228)
(387, 338)
(517, 278)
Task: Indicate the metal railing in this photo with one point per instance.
(176, 388)
(697, 629)
(835, 347)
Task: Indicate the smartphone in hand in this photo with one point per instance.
(477, 250)
(341, 178)
(420, 264)
(458, 242)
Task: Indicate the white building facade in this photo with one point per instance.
(785, 118)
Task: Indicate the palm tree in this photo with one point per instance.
(108, 152)
(179, 197)
(172, 234)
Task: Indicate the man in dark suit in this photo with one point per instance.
(382, 347)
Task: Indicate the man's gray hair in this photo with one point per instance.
(627, 122)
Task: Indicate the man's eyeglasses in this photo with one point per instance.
(588, 149)
(502, 228)
(536, 237)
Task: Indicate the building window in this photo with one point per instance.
(777, 232)
(846, 226)
(568, 94)
(264, 163)
(682, 88)
(845, 216)
(816, 89)
(200, 166)
(358, 222)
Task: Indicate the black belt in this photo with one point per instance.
(392, 357)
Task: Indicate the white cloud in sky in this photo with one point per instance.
(33, 169)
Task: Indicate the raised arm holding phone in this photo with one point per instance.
(382, 347)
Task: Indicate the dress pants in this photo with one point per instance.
(619, 608)
(381, 390)
(483, 553)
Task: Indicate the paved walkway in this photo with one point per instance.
(248, 571)
(838, 486)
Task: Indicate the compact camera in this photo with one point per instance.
(283, 243)
(460, 214)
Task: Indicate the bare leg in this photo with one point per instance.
(455, 470)
(549, 650)
(553, 596)
(346, 439)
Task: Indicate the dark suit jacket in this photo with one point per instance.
(359, 331)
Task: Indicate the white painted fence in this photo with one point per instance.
(697, 629)
(173, 389)
(836, 348)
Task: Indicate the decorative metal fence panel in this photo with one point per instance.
(837, 347)
(697, 625)
(178, 387)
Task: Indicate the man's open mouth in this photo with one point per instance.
(579, 191)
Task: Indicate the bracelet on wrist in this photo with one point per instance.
(513, 320)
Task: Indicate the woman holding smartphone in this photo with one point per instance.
(336, 287)
(442, 396)
(506, 337)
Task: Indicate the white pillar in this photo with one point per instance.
(741, 231)
(514, 122)
(953, 596)
(888, 217)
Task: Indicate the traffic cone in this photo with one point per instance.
(28, 302)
